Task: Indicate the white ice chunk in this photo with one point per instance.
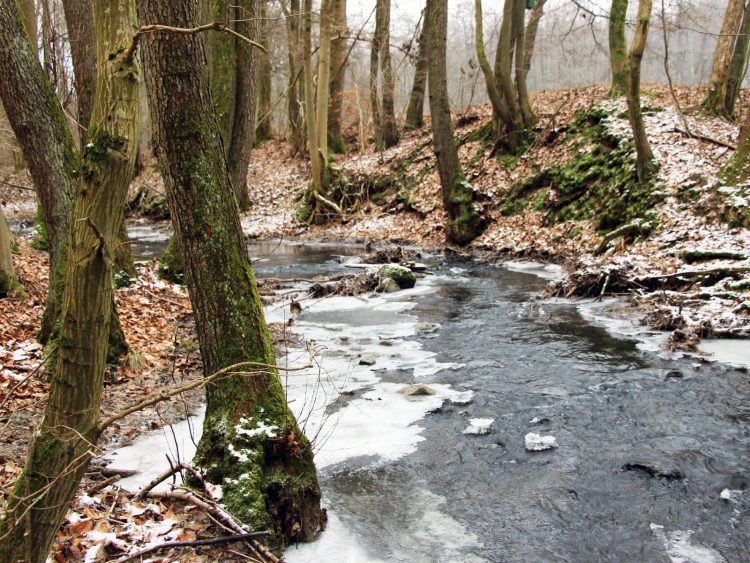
(479, 426)
(536, 443)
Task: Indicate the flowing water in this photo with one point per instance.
(402, 479)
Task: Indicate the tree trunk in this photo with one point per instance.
(645, 164)
(295, 85)
(383, 110)
(519, 44)
(339, 44)
(737, 170)
(618, 48)
(725, 46)
(245, 98)
(263, 130)
(738, 66)
(268, 476)
(530, 40)
(7, 271)
(464, 222)
(223, 68)
(28, 8)
(42, 132)
(79, 18)
(63, 445)
(415, 109)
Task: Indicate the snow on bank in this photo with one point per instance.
(680, 549)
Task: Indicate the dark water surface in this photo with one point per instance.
(607, 403)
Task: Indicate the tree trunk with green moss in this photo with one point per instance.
(528, 48)
(295, 84)
(64, 443)
(720, 70)
(415, 109)
(223, 64)
(247, 67)
(464, 221)
(41, 128)
(618, 48)
(738, 66)
(8, 280)
(645, 163)
(339, 48)
(251, 443)
(737, 170)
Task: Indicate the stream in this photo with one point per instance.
(652, 460)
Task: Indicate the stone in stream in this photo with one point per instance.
(417, 389)
(536, 443)
(367, 360)
(427, 328)
(673, 374)
(387, 285)
(404, 277)
(655, 467)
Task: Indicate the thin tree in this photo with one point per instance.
(223, 61)
(8, 281)
(247, 66)
(79, 19)
(381, 77)
(268, 476)
(295, 84)
(339, 51)
(721, 69)
(645, 163)
(738, 66)
(65, 440)
(263, 130)
(464, 222)
(415, 109)
(618, 48)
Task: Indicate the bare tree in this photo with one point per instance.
(381, 74)
(716, 97)
(618, 49)
(415, 109)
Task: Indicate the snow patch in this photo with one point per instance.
(680, 549)
(479, 426)
(537, 443)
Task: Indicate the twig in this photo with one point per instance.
(703, 137)
(215, 26)
(194, 543)
(164, 395)
(25, 379)
(103, 484)
(16, 186)
(166, 475)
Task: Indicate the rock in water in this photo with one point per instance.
(536, 443)
(387, 285)
(479, 426)
(417, 389)
(404, 277)
(367, 360)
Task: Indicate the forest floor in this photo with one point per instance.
(683, 264)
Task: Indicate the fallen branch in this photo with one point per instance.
(166, 475)
(104, 484)
(703, 137)
(194, 543)
(691, 274)
(625, 230)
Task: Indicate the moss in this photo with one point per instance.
(337, 145)
(404, 277)
(40, 240)
(697, 256)
(170, 265)
(599, 184)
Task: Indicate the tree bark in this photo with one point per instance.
(223, 68)
(268, 477)
(295, 85)
(645, 164)
(737, 170)
(528, 50)
(738, 65)
(383, 109)
(28, 8)
(464, 222)
(247, 66)
(7, 271)
(41, 129)
(618, 48)
(63, 445)
(720, 70)
(415, 109)
(79, 18)
(339, 44)
(263, 130)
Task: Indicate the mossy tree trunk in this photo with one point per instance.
(530, 41)
(737, 170)
(464, 221)
(415, 109)
(339, 47)
(223, 67)
(37, 119)
(63, 445)
(381, 78)
(263, 130)
(247, 66)
(645, 164)
(618, 48)
(720, 70)
(7, 270)
(251, 443)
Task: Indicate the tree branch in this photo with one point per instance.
(194, 543)
(215, 26)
